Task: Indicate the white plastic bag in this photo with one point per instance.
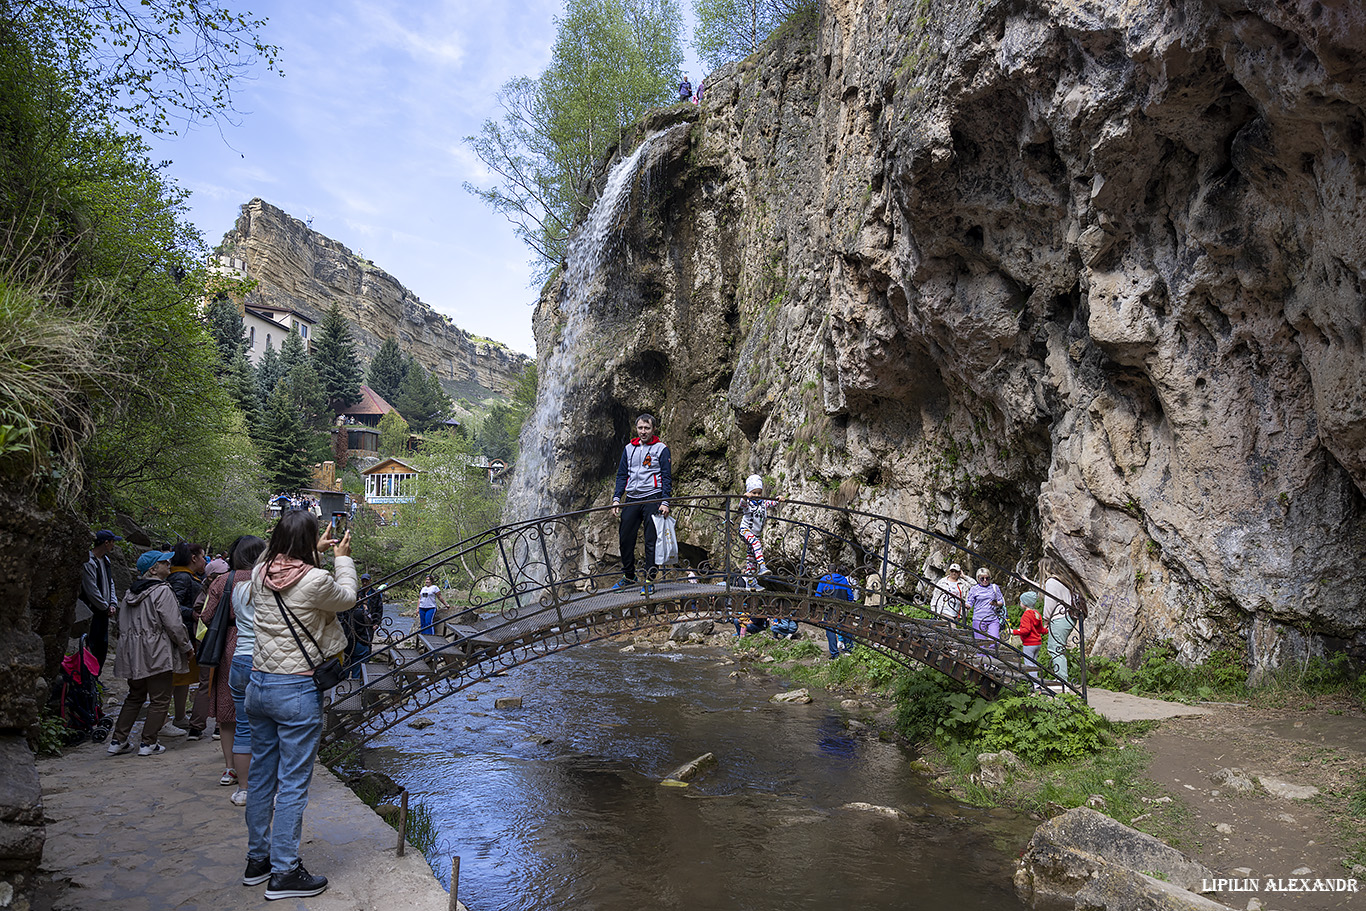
(666, 540)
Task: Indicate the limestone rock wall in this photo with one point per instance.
(1075, 279)
(299, 268)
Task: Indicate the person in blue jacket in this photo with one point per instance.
(644, 485)
(835, 584)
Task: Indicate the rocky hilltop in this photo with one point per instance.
(296, 267)
(1076, 279)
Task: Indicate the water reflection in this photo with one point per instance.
(559, 805)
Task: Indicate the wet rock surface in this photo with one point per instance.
(1040, 277)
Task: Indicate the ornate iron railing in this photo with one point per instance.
(534, 590)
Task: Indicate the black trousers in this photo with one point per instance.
(635, 513)
(97, 639)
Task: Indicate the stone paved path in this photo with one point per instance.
(1127, 707)
(135, 833)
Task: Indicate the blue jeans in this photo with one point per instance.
(238, 675)
(838, 641)
(286, 713)
(1031, 653)
(426, 619)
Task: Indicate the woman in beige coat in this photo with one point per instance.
(289, 589)
(152, 645)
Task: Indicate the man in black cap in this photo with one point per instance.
(97, 593)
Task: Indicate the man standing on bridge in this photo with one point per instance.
(644, 485)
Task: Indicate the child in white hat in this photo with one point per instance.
(754, 511)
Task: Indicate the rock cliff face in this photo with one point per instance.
(299, 268)
(1054, 278)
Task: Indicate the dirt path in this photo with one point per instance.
(1321, 746)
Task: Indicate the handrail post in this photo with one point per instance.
(550, 576)
(402, 822)
(801, 561)
(725, 541)
(511, 575)
(886, 557)
(1081, 634)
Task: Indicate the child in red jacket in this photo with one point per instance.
(1031, 634)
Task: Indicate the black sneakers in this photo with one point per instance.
(258, 871)
(297, 883)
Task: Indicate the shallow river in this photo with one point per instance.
(558, 804)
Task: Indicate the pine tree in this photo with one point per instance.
(495, 440)
(284, 442)
(268, 373)
(334, 357)
(421, 400)
(387, 370)
(227, 328)
(309, 398)
(239, 380)
(292, 352)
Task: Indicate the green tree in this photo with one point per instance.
(524, 392)
(453, 502)
(393, 434)
(334, 357)
(387, 370)
(612, 61)
(268, 373)
(293, 352)
(239, 381)
(284, 442)
(733, 29)
(421, 399)
(227, 328)
(497, 435)
(149, 63)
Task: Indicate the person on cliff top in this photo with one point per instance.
(685, 90)
(1057, 599)
(754, 510)
(1030, 632)
(644, 485)
(950, 595)
(988, 606)
(153, 645)
(97, 593)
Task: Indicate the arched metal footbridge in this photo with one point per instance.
(536, 589)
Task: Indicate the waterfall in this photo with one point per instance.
(527, 496)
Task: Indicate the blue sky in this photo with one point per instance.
(364, 134)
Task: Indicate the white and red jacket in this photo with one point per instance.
(644, 472)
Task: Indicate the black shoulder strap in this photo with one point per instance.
(290, 620)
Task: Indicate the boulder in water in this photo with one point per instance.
(798, 697)
(682, 631)
(690, 770)
(1070, 851)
